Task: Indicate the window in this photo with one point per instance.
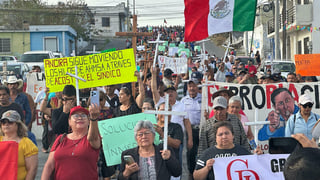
(306, 2)
(105, 22)
(299, 47)
(51, 44)
(5, 45)
(306, 45)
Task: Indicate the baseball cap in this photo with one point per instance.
(229, 74)
(167, 72)
(196, 75)
(169, 87)
(77, 109)
(304, 99)
(220, 101)
(11, 115)
(193, 80)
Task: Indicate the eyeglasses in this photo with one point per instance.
(79, 115)
(307, 105)
(67, 99)
(6, 121)
(146, 108)
(147, 133)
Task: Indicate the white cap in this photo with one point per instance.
(304, 99)
(220, 101)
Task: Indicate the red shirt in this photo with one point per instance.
(251, 69)
(81, 165)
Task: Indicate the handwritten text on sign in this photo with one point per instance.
(307, 64)
(98, 69)
(258, 167)
(177, 65)
(118, 135)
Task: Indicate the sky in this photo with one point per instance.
(149, 12)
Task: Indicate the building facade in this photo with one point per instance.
(109, 20)
(301, 35)
(56, 38)
(14, 42)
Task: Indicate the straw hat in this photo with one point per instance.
(12, 80)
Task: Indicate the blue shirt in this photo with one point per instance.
(300, 125)
(265, 133)
(23, 101)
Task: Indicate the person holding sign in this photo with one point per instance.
(148, 161)
(207, 132)
(175, 133)
(224, 148)
(75, 155)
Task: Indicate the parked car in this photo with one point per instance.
(283, 66)
(18, 69)
(32, 58)
(8, 58)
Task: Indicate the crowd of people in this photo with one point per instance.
(71, 135)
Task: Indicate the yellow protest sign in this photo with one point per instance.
(307, 64)
(103, 69)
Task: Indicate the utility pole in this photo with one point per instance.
(276, 29)
(284, 30)
(128, 16)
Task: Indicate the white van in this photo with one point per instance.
(32, 58)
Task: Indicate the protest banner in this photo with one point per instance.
(35, 83)
(9, 160)
(177, 65)
(307, 64)
(259, 96)
(173, 51)
(118, 135)
(103, 69)
(258, 167)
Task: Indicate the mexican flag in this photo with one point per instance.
(207, 17)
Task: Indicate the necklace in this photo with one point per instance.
(75, 144)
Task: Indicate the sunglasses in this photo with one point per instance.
(307, 105)
(67, 99)
(5, 121)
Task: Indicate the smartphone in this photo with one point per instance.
(94, 97)
(128, 159)
(283, 145)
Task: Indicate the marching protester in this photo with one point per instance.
(175, 133)
(60, 116)
(304, 120)
(75, 155)
(224, 147)
(192, 103)
(148, 161)
(234, 107)
(13, 129)
(208, 132)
